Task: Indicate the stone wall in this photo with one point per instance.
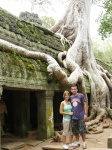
(24, 72)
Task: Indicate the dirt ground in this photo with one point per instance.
(92, 140)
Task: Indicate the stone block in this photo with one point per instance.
(109, 141)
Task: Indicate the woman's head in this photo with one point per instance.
(66, 94)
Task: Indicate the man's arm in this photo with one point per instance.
(85, 111)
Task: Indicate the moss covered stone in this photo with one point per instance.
(31, 32)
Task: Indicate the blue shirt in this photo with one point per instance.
(77, 106)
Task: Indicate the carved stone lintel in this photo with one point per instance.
(45, 94)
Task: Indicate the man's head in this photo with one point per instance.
(74, 89)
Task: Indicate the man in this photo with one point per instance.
(79, 108)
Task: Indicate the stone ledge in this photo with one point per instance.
(59, 147)
(12, 145)
(33, 142)
(99, 148)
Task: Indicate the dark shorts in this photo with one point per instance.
(78, 127)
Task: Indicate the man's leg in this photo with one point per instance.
(83, 138)
(84, 146)
(82, 127)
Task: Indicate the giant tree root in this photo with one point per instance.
(96, 129)
(58, 136)
(106, 122)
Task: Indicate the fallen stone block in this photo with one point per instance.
(110, 142)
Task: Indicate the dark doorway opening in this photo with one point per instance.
(58, 97)
(26, 105)
(8, 119)
(33, 111)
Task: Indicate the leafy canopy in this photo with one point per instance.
(47, 22)
(103, 51)
(105, 29)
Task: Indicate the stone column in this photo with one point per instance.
(1, 90)
(45, 114)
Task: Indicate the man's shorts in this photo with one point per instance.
(78, 127)
(67, 129)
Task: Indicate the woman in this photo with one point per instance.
(66, 111)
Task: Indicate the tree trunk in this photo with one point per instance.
(80, 60)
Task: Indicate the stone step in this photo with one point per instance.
(33, 142)
(60, 147)
(12, 145)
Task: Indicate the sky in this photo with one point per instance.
(17, 6)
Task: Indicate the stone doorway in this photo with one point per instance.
(22, 112)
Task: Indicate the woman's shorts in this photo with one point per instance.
(78, 127)
(67, 129)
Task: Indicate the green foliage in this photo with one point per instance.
(103, 51)
(105, 29)
(47, 22)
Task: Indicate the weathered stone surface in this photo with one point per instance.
(17, 71)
